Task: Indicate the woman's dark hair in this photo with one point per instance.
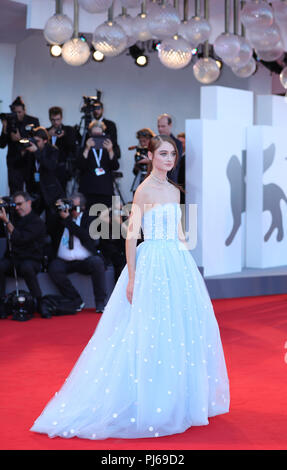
(154, 143)
(146, 132)
(18, 102)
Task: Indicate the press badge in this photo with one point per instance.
(99, 171)
(37, 177)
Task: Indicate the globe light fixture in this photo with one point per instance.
(257, 13)
(109, 37)
(283, 77)
(95, 6)
(175, 53)
(245, 71)
(59, 28)
(164, 22)
(76, 51)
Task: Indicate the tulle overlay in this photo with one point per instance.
(154, 367)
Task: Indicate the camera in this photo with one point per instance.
(99, 140)
(26, 142)
(7, 203)
(66, 204)
(141, 152)
(58, 131)
(89, 103)
(11, 119)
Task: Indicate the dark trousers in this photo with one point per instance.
(16, 179)
(28, 269)
(98, 199)
(93, 265)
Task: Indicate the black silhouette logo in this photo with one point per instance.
(272, 195)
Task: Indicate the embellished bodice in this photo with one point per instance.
(161, 222)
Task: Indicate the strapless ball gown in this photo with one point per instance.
(154, 367)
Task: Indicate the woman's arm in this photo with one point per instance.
(133, 231)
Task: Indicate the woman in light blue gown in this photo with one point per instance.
(155, 364)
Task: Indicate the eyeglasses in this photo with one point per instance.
(17, 204)
(98, 107)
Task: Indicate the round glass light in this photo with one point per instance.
(95, 6)
(245, 71)
(227, 47)
(164, 22)
(245, 53)
(283, 77)
(264, 39)
(206, 70)
(76, 52)
(273, 54)
(196, 30)
(140, 28)
(256, 13)
(110, 39)
(175, 53)
(58, 29)
(142, 60)
(126, 22)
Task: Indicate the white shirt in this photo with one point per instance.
(79, 252)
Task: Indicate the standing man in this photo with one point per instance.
(19, 125)
(164, 125)
(110, 127)
(65, 139)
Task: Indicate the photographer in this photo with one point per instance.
(77, 252)
(27, 235)
(42, 181)
(65, 139)
(111, 129)
(141, 159)
(16, 125)
(96, 164)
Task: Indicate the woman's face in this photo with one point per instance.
(96, 131)
(163, 157)
(143, 141)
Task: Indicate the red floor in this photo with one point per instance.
(36, 357)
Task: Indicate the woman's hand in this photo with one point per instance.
(129, 291)
(108, 145)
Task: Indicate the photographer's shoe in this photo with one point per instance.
(81, 306)
(100, 306)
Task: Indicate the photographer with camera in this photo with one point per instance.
(27, 238)
(110, 126)
(96, 165)
(16, 125)
(42, 182)
(77, 252)
(65, 139)
(141, 158)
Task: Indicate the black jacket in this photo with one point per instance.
(111, 130)
(66, 144)
(90, 183)
(49, 186)
(14, 157)
(28, 237)
(173, 174)
(81, 232)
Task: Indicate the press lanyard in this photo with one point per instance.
(98, 157)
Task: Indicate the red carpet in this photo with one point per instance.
(37, 356)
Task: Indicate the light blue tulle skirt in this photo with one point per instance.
(152, 368)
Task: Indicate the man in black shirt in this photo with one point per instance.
(110, 126)
(65, 139)
(164, 125)
(27, 236)
(17, 128)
